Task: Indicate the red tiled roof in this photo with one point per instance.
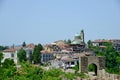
(9, 50)
(100, 40)
(46, 52)
(67, 59)
(31, 46)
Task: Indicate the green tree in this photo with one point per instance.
(24, 44)
(37, 54)
(112, 57)
(3, 48)
(8, 70)
(22, 55)
(68, 41)
(1, 57)
(7, 63)
(89, 43)
(29, 72)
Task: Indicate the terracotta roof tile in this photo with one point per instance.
(9, 50)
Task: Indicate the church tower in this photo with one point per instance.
(82, 35)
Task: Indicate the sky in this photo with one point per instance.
(46, 21)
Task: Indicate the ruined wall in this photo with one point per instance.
(87, 60)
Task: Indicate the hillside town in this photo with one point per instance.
(67, 55)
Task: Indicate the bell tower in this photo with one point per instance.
(82, 35)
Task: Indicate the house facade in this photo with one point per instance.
(11, 54)
(46, 56)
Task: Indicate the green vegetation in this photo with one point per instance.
(3, 48)
(37, 54)
(1, 57)
(89, 44)
(68, 41)
(8, 70)
(22, 55)
(76, 68)
(111, 55)
(24, 44)
(29, 71)
(91, 67)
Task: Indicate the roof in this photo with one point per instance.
(46, 52)
(67, 59)
(9, 50)
(31, 46)
(100, 40)
(78, 55)
(76, 42)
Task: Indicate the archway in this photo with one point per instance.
(98, 63)
(93, 69)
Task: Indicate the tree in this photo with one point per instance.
(7, 63)
(3, 48)
(89, 43)
(111, 55)
(37, 54)
(24, 44)
(68, 41)
(22, 55)
(1, 57)
(8, 69)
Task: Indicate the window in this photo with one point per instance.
(72, 63)
(12, 55)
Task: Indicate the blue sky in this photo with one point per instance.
(45, 21)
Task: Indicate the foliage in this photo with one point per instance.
(89, 44)
(53, 74)
(1, 57)
(111, 55)
(91, 67)
(29, 71)
(24, 44)
(82, 75)
(70, 76)
(76, 67)
(3, 48)
(8, 63)
(68, 41)
(8, 69)
(22, 55)
(37, 54)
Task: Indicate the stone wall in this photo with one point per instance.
(87, 60)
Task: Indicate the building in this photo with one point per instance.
(29, 51)
(69, 62)
(46, 56)
(78, 43)
(11, 54)
(116, 43)
(13, 51)
(99, 42)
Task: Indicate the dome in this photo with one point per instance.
(77, 34)
(77, 42)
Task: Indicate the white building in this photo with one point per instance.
(11, 54)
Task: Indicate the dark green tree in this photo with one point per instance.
(37, 54)
(8, 70)
(68, 41)
(22, 55)
(1, 57)
(3, 48)
(111, 55)
(89, 43)
(24, 44)
(7, 63)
